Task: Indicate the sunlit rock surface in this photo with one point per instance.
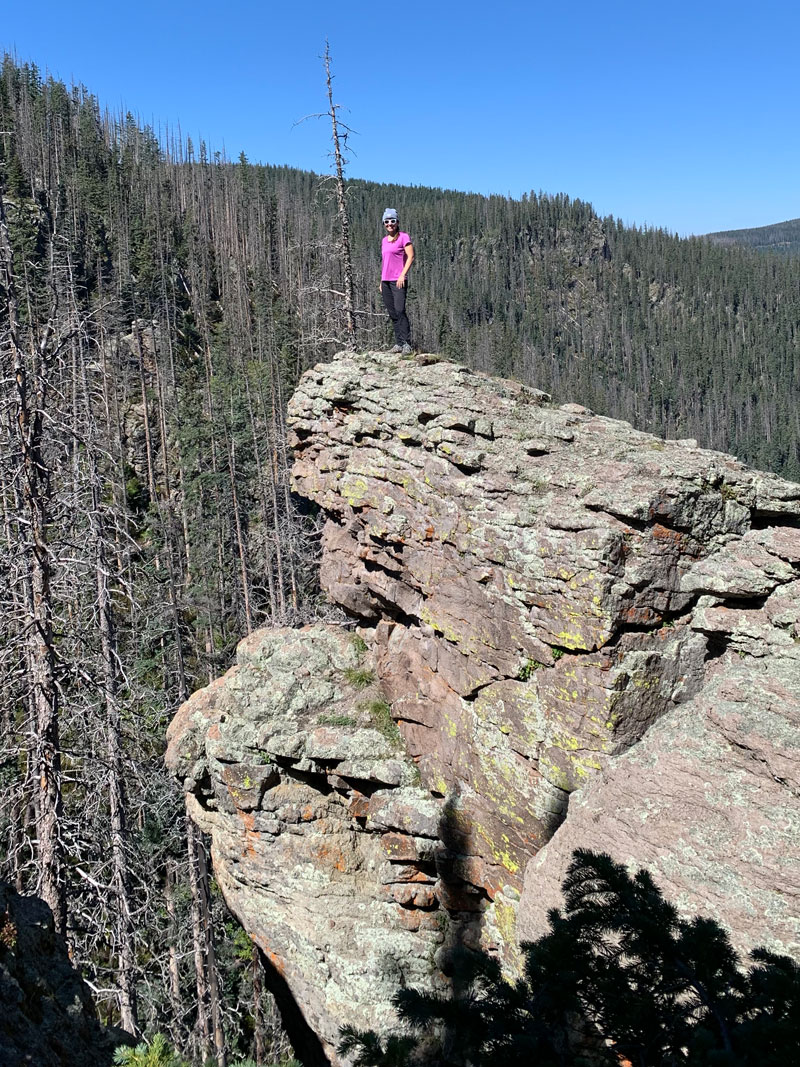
(566, 617)
(323, 840)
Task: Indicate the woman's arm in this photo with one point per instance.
(409, 254)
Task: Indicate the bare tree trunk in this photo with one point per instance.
(148, 436)
(209, 1018)
(237, 517)
(29, 398)
(116, 787)
(339, 134)
(174, 982)
(258, 1006)
(198, 940)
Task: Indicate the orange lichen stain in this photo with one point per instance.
(213, 731)
(275, 960)
(399, 846)
(251, 835)
(429, 532)
(330, 857)
(307, 814)
(663, 533)
(418, 876)
(493, 881)
(409, 918)
(640, 616)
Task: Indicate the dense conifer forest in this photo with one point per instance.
(781, 237)
(157, 305)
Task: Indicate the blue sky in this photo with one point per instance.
(681, 115)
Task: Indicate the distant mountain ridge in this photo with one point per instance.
(783, 237)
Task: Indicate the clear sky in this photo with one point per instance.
(678, 114)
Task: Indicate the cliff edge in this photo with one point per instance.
(569, 633)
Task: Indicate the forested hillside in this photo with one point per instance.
(781, 237)
(156, 308)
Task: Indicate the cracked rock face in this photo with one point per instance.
(565, 616)
(708, 800)
(322, 839)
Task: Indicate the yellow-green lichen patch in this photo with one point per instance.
(439, 785)
(505, 859)
(427, 616)
(354, 490)
(571, 641)
(505, 920)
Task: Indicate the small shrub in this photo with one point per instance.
(528, 668)
(155, 1053)
(8, 933)
(359, 645)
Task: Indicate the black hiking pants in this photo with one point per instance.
(395, 301)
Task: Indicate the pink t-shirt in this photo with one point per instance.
(393, 257)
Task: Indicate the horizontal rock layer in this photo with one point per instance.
(322, 840)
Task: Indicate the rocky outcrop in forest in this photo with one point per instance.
(47, 1016)
(568, 631)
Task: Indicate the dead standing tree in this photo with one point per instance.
(340, 132)
(31, 345)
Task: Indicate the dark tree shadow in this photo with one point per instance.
(306, 1045)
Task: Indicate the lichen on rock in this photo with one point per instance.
(322, 839)
(584, 636)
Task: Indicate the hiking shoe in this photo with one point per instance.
(406, 350)
(396, 348)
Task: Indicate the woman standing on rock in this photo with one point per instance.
(397, 255)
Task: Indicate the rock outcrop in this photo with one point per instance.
(323, 840)
(708, 799)
(582, 632)
(47, 1017)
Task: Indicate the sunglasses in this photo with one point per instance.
(391, 222)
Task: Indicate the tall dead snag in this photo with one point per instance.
(101, 543)
(29, 352)
(339, 133)
(329, 318)
(209, 1015)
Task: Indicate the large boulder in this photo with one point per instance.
(322, 838)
